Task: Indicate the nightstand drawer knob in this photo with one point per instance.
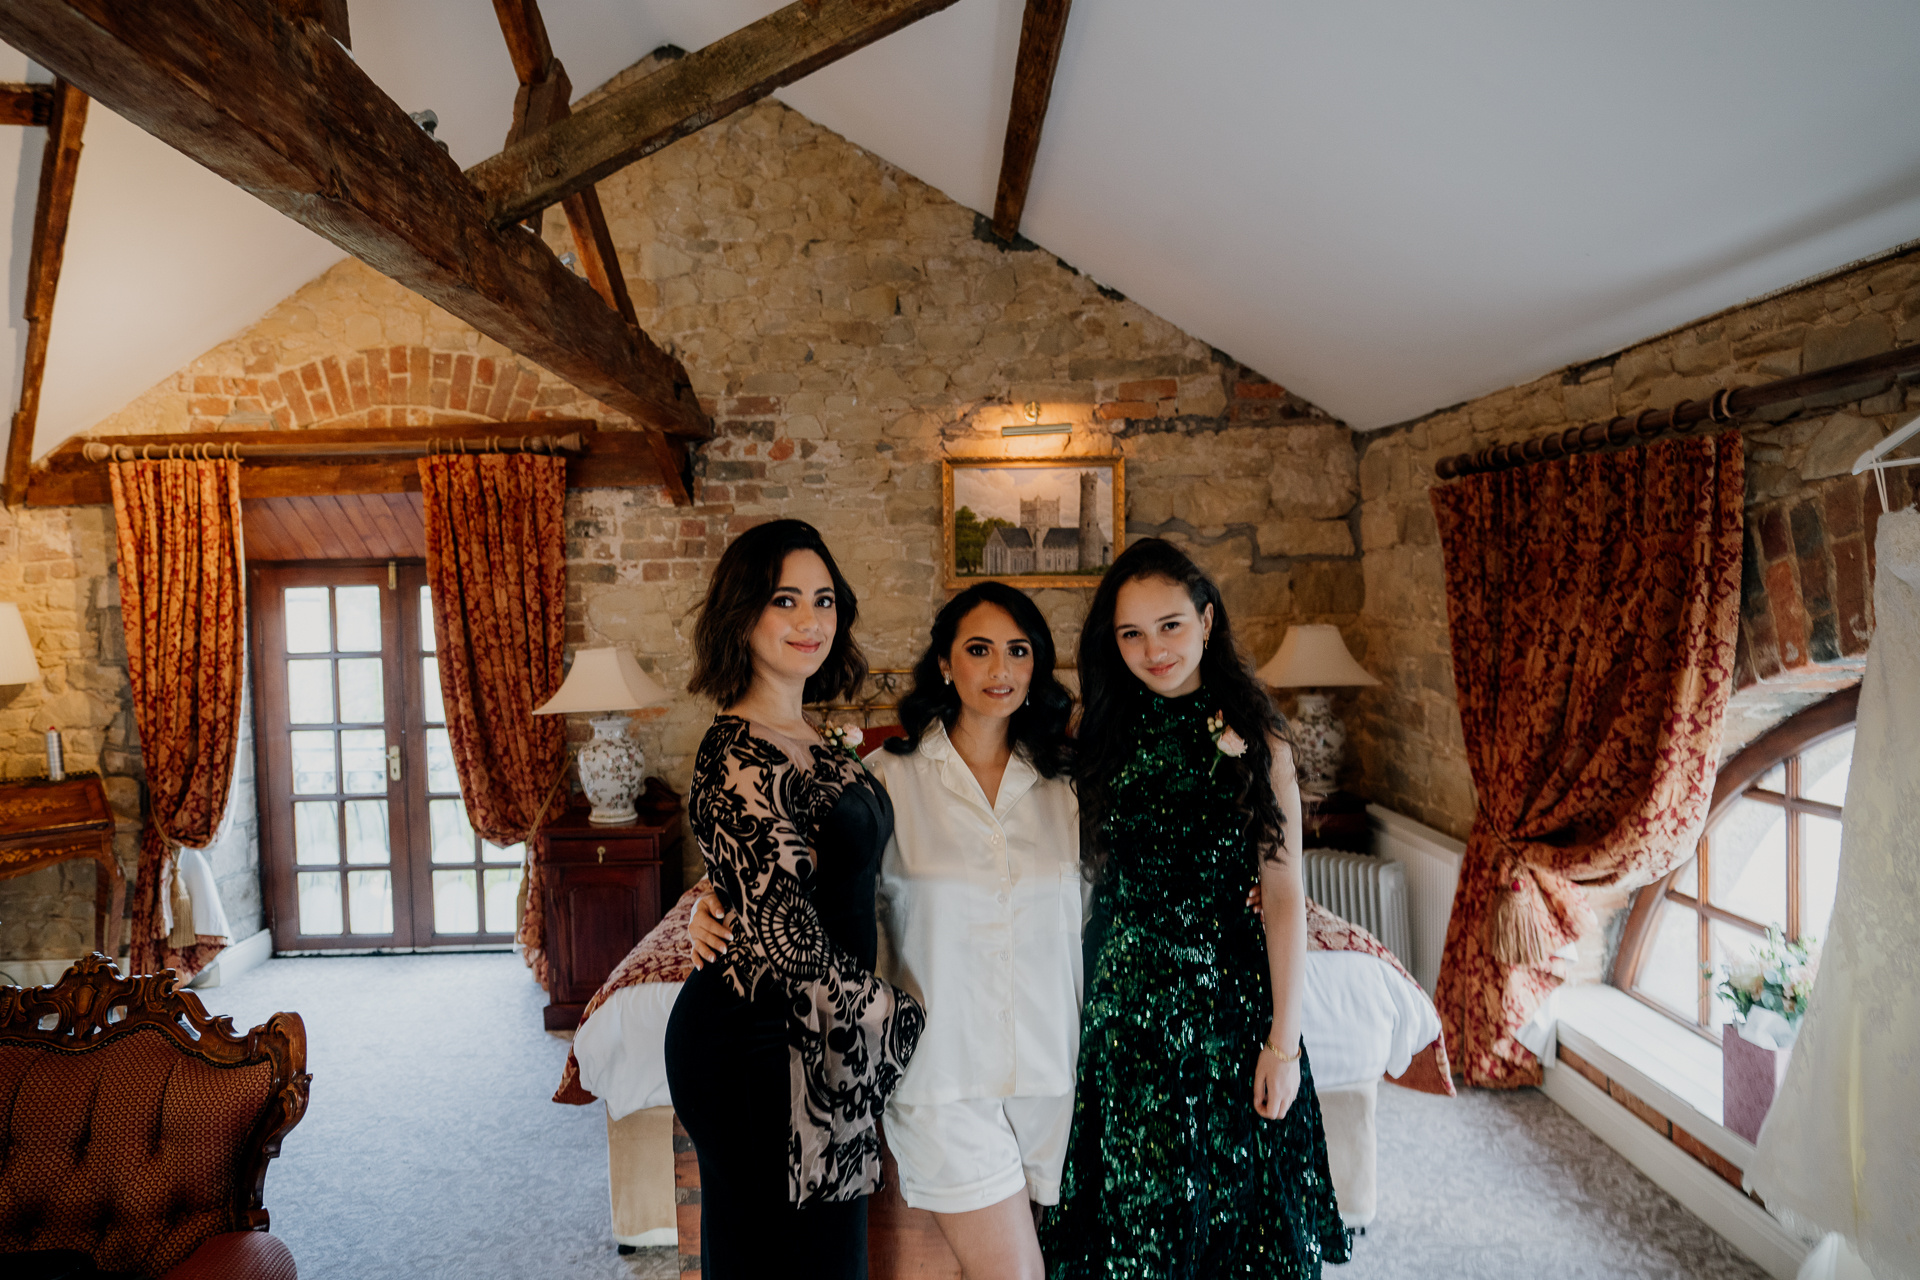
(602, 852)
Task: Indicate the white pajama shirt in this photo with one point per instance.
(981, 908)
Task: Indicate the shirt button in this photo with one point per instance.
(996, 840)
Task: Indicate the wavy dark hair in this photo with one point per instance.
(1111, 697)
(743, 583)
(1038, 727)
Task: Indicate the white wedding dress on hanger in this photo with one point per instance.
(1840, 1150)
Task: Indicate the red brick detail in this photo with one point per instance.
(1789, 614)
(1655, 1121)
(1852, 596)
(1707, 1156)
(780, 450)
(1128, 409)
(1150, 389)
(1569, 1058)
(1260, 391)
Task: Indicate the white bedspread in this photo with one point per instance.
(1360, 1021)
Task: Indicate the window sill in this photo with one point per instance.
(1674, 1071)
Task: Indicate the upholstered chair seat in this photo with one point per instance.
(135, 1131)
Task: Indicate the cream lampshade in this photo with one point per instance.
(18, 665)
(603, 683)
(1314, 656)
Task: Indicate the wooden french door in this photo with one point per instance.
(365, 840)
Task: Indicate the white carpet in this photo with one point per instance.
(432, 1148)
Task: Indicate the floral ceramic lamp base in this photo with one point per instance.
(610, 771)
(1318, 743)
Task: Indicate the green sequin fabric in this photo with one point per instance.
(1170, 1173)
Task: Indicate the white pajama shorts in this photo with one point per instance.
(959, 1156)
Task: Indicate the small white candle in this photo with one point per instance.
(55, 766)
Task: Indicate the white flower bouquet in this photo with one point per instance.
(1769, 989)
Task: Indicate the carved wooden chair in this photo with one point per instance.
(135, 1130)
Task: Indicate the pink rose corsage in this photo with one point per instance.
(1225, 740)
(845, 737)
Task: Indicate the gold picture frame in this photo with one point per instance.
(1028, 508)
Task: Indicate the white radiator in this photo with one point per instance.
(1431, 862)
(1366, 890)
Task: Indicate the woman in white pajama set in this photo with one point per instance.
(981, 906)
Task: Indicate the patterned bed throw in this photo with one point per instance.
(1429, 1071)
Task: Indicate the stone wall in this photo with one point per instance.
(1806, 607)
(849, 327)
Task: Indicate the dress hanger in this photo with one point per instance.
(1876, 460)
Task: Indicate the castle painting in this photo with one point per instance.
(1029, 519)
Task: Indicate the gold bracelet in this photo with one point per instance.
(1284, 1057)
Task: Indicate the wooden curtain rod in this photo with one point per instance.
(1721, 408)
(572, 442)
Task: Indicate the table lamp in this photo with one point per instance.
(1313, 656)
(606, 683)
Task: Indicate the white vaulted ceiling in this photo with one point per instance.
(1389, 207)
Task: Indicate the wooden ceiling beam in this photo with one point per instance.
(274, 105)
(546, 96)
(26, 103)
(331, 15)
(684, 97)
(59, 168)
(1042, 32)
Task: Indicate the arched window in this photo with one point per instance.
(1770, 855)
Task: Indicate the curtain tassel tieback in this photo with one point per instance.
(1523, 928)
(182, 935)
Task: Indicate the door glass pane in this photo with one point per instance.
(1819, 873)
(316, 833)
(491, 852)
(1670, 973)
(313, 773)
(310, 691)
(1688, 881)
(430, 690)
(1748, 866)
(319, 901)
(308, 628)
(1824, 768)
(362, 693)
(363, 758)
(503, 894)
(441, 775)
(367, 832)
(1726, 943)
(370, 901)
(359, 618)
(452, 834)
(426, 621)
(456, 904)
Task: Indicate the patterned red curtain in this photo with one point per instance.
(1593, 605)
(497, 566)
(183, 605)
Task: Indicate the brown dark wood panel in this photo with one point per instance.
(682, 98)
(275, 106)
(59, 167)
(612, 460)
(1042, 32)
(29, 104)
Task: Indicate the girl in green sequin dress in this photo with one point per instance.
(1197, 1147)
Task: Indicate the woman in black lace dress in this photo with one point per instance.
(781, 1056)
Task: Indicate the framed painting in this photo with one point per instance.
(1033, 522)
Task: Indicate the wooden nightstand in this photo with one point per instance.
(1337, 821)
(43, 823)
(603, 892)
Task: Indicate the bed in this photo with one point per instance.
(1364, 1019)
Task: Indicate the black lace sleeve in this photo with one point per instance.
(849, 1032)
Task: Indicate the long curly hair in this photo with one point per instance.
(1038, 728)
(742, 584)
(1111, 698)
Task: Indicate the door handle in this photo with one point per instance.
(393, 763)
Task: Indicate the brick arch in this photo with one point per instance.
(1806, 598)
(405, 386)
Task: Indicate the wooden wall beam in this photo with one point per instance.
(59, 168)
(546, 96)
(612, 460)
(275, 106)
(26, 103)
(1041, 33)
(682, 98)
